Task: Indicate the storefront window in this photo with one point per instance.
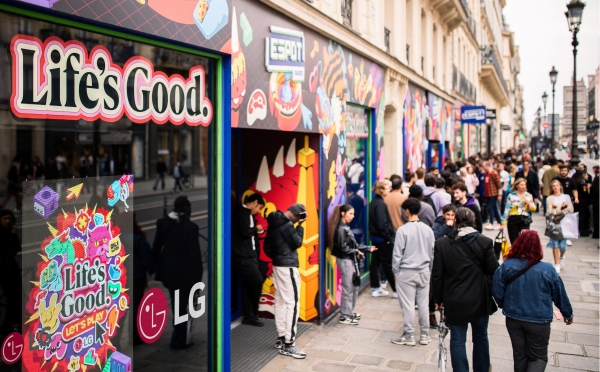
(91, 125)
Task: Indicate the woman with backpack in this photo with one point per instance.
(343, 246)
(525, 288)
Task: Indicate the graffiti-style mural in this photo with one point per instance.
(440, 126)
(416, 116)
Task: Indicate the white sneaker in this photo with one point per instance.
(383, 284)
(394, 294)
(489, 226)
(378, 292)
(557, 268)
(561, 262)
(497, 227)
(569, 242)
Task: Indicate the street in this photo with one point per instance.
(367, 347)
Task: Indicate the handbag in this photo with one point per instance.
(498, 243)
(553, 229)
(570, 226)
(356, 274)
(486, 295)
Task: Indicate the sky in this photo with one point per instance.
(544, 40)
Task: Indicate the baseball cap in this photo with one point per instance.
(297, 208)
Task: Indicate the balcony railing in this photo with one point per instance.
(488, 57)
(347, 12)
(386, 39)
(463, 86)
(470, 20)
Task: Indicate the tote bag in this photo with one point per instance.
(570, 226)
(553, 229)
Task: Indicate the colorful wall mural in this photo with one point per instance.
(440, 126)
(416, 116)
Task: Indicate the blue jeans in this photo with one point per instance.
(544, 198)
(481, 346)
(493, 209)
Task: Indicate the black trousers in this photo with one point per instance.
(584, 216)
(484, 209)
(529, 343)
(179, 336)
(178, 184)
(383, 256)
(596, 215)
(247, 269)
(514, 225)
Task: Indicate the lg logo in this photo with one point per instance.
(199, 300)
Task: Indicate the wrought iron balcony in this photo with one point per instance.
(347, 12)
(491, 74)
(462, 86)
(488, 57)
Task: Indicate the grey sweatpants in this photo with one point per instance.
(413, 287)
(349, 291)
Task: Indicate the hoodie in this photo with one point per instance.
(473, 206)
(438, 199)
(284, 239)
(440, 229)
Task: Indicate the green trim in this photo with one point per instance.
(218, 243)
(105, 31)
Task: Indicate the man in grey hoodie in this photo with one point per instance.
(412, 263)
(435, 199)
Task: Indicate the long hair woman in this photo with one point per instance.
(517, 213)
(525, 288)
(343, 246)
(558, 205)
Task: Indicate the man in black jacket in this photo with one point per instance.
(161, 169)
(463, 265)
(382, 235)
(533, 181)
(281, 245)
(178, 259)
(244, 255)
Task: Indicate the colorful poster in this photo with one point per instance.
(76, 274)
(416, 117)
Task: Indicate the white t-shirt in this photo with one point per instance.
(505, 179)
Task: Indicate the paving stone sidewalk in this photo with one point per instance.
(367, 347)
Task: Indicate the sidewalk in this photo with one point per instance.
(367, 347)
(144, 187)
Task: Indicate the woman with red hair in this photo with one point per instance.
(525, 288)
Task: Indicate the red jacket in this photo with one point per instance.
(494, 187)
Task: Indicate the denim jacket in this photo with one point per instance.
(530, 297)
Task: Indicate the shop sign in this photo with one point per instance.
(473, 114)
(61, 80)
(356, 123)
(284, 52)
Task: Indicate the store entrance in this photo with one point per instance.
(283, 168)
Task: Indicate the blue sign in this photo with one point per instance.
(472, 114)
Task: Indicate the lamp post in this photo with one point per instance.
(573, 14)
(553, 74)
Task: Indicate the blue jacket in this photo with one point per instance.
(440, 229)
(481, 188)
(530, 297)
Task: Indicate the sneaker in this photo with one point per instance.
(356, 316)
(557, 268)
(432, 321)
(497, 227)
(569, 242)
(293, 351)
(404, 340)
(383, 284)
(280, 343)
(378, 292)
(561, 262)
(394, 294)
(348, 321)
(489, 226)
(425, 339)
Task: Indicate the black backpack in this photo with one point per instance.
(427, 199)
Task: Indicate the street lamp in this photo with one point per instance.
(544, 99)
(573, 14)
(553, 74)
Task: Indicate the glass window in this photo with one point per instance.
(83, 118)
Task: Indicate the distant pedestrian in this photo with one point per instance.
(434, 198)
(470, 179)
(382, 235)
(161, 169)
(14, 186)
(284, 240)
(533, 182)
(178, 261)
(493, 195)
(420, 172)
(525, 288)
(178, 174)
(582, 181)
(347, 251)
(549, 175)
(412, 263)
(394, 201)
(463, 266)
(519, 205)
(409, 179)
(463, 199)
(559, 205)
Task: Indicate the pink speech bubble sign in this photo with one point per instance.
(152, 315)
(12, 348)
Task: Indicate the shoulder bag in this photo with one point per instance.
(486, 292)
(518, 274)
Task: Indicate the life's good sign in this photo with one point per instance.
(60, 80)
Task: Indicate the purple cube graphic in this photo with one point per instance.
(45, 202)
(120, 362)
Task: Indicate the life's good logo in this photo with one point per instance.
(59, 80)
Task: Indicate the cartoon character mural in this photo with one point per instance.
(238, 72)
(416, 115)
(76, 291)
(440, 126)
